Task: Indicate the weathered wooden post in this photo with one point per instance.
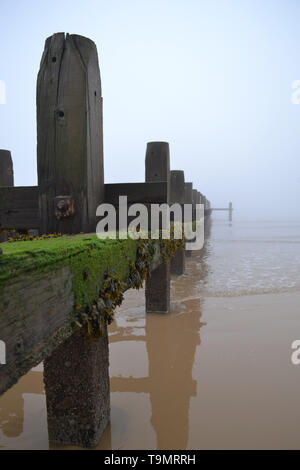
(6, 169)
(188, 199)
(70, 175)
(195, 197)
(158, 284)
(157, 165)
(69, 135)
(6, 178)
(177, 195)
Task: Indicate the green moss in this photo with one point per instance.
(101, 270)
(17, 258)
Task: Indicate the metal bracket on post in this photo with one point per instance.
(63, 207)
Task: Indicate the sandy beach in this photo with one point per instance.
(214, 373)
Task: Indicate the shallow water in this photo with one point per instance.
(213, 373)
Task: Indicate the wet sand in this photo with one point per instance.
(214, 373)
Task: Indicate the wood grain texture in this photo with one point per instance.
(143, 193)
(6, 168)
(19, 208)
(69, 132)
(35, 317)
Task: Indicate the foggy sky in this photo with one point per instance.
(212, 77)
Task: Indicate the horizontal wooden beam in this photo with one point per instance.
(38, 293)
(19, 208)
(143, 193)
(221, 209)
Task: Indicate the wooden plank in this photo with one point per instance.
(34, 319)
(188, 193)
(178, 196)
(144, 193)
(157, 163)
(36, 309)
(19, 208)
(177, 192)
(6, 168)
(158, 286)
(69, 133)
(221, 209)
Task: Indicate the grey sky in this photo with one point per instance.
(211, 77)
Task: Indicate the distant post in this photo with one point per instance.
(157, 165)
(195, 198)
(230, 212)
(188, 199)
(177, 195)
(6, 179)
(158, 284)
(70, 176)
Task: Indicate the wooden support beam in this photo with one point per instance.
(158, 290)
(19, 208)
(71, 186)
(188, 199)
(188, 193)
(37, 301)
(178, 196)
(35, 316)
(157, 163)
(6, 169)
(177, 191)
(158, 284)
(77, 391)
(69, 135)
(143, 193)
(194, 196)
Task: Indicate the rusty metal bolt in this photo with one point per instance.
(64, 207)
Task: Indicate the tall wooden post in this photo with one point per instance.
(6, 179)
(157, 165)
(69, 135)
(158, 284)
(188, 199)
(71, 186)
(199, 197)
(6, 169)
(195, 197)
(177, 195)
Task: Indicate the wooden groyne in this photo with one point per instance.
(58, 293)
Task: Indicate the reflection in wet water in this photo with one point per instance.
(12, 403)
(170, 343)
(23, 414)
(233, 388)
